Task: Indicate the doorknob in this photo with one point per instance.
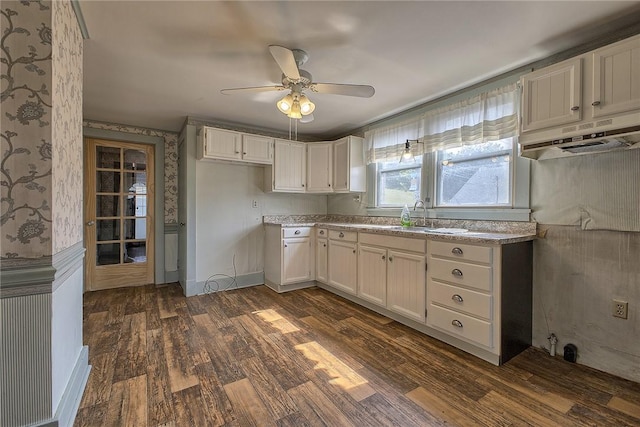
(90, 223)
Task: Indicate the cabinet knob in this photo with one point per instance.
(321, 231)
(354, 251)
(296, 232)
(456, 272)
(391, 258)
(324, 244)
(384, 257)
(341, 234)
(286, 245)
(595, 103)
(329, 185)
(575, 108)
(244, 154)
(456, 251)
(456, 323)
(457, 298)
(303, 185)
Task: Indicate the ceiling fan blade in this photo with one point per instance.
(306, 119)
(251, 89)
(363, 91)
(286, 61)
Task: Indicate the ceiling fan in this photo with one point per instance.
(296, 104)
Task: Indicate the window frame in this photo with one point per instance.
(518, 210)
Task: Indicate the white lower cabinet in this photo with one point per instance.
(372, 274)
(289, 257)
(322, 259)
(343, 261)
(392, 274)
(296, 259)
(405, 284)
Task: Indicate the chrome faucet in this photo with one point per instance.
(420, 204)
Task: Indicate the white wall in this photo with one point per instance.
(226, 222)
(576, 272)
(66, 332)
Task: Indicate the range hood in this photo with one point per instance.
(594, 142)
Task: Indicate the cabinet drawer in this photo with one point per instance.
(296, 232)
(347, 236)
(461, 251)
(460, 273)
(460, 325)
(470, 302)
(322, 232)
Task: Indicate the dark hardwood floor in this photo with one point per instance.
(309, 358)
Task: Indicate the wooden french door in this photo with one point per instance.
(119, 214)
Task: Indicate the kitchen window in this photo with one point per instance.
(466, 164)
(398, 183)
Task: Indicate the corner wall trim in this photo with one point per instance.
(27, 277)
(66, 262)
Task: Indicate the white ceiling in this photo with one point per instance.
(151, 64)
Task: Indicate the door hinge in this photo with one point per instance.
(426, 266)
(425, 312)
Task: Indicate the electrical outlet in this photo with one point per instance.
(254, 204)
(620, 309)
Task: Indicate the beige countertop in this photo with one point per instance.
(470, 236)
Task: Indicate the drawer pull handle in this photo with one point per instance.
(297, 232)
(595, 103)
(456, 323)
(456, 251)
(341, 234)
(456, 272)
(457, 298)
(321, 231)
(575, 108)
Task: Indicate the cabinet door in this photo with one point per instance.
(296, 260)
(257, 149)
(552, 96)
(406, 285)
(372, 274)
(222, 144)
(343, 266)
(289, 166)
(616, 78)
(319, 170)
(341, 165)
(321, 261)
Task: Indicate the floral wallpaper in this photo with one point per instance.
(25, 138)
(170, 162)
(66, 127)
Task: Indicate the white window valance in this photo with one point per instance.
(490, 116)
(388, 143)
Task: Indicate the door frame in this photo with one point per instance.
(158, 143)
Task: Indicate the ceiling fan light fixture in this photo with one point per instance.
(295, 110)
(306, 106)
(285, 104)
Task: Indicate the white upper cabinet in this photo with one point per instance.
(616, 78)
(257, 149)
(220, 144)
(319, 167)
(349, 171)
(289, 167)
(552, 96)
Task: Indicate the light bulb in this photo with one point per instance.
(284, 105)
(295, 110)
(306, 106)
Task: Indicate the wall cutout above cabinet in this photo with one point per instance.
(587, 104)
